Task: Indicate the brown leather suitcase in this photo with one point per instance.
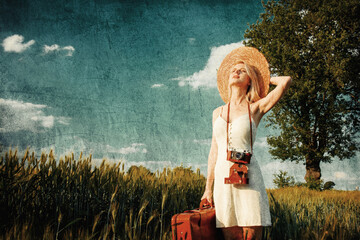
(197, 224)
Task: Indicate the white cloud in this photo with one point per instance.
(15, 43)
(133, 148)
(340, 175)
(157, 85)
(19, 115)
(45, 121)
(51, 48)
(68, 50)
(207, 76)
(63, 120)
(20, 105)
(203, 141)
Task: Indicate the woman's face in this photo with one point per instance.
(239, 76)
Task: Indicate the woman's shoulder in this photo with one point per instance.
(218, 110)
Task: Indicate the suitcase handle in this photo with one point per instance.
(204, 204)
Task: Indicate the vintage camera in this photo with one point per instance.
(238, 174)
(238, 171)
(239, 157)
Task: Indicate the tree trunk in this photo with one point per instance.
(312, 170)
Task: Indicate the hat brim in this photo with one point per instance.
(250, 56)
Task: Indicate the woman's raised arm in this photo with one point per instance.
(282, 85)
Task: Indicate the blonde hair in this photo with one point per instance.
(252, 94)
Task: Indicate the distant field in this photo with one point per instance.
(71, 199)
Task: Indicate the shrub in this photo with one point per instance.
(329, 185)
(314, 184)
(283, 180)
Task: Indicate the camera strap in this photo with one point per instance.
(227, 128)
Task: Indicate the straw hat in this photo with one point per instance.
(251, 56)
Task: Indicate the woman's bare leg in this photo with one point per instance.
(252, 233)
(233, 233)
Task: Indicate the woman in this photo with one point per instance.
(243, 82)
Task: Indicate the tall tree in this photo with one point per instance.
(317, 44)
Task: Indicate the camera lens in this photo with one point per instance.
(238, 155)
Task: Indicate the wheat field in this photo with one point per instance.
(70, 198)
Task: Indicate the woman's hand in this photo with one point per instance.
(208, 195)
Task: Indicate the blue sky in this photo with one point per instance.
(130, 81)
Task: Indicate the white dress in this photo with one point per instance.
(235, 204)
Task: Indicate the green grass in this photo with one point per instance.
(72, 199)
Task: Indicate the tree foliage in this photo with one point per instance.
(317, 44)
